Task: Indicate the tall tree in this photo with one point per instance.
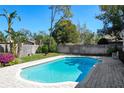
(65, 32)
(86, 35)
(18, 38)
(63, 10)
(113, 19)
(10, 19)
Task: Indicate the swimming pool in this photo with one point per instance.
(65, 69)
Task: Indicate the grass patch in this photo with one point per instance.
(38, 56)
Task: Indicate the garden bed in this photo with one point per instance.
(30, 58)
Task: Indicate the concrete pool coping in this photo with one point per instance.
(10, 76)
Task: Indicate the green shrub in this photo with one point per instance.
(45, 48)
(103, 41)
(39, 49)
(16, 61)
(49, 46)
(112, 49)
(53, 46)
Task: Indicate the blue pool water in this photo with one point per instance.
(60, 70)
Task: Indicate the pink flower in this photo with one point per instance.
(6, 58)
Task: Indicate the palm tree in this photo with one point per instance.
(10, 17)
(18, 38)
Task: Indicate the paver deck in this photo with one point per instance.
(108, 74)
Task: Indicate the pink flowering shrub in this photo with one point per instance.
(6, 58)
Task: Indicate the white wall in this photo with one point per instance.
(25, 49)
(28, 49)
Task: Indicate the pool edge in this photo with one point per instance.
(71, 84)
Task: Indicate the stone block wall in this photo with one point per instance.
(83, 49)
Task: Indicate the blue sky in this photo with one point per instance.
(37, 18)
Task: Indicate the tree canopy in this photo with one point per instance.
(10, 18)
(86, 35)
(113, 19)
(65, 32)
(63, 11)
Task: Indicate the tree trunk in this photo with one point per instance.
(6, 48)
(19, 49)
(11, 49)
(14, 49)
(9, 31)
